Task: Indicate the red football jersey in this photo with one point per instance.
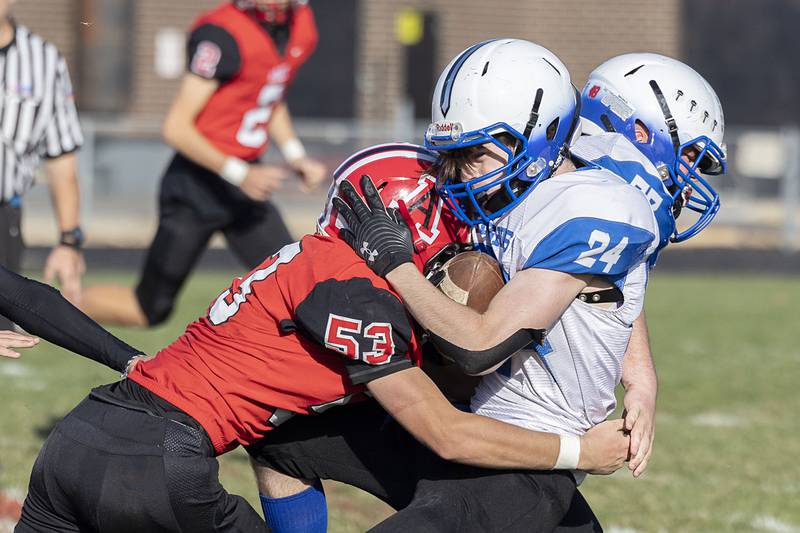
(304, 331)
(236, 116)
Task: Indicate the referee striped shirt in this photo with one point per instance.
(37, 112)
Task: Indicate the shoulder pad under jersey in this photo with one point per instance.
(616, 153)
(595, 224)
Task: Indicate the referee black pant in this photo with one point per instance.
(11, 245)
(194, 203)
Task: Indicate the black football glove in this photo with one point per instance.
(380, 236)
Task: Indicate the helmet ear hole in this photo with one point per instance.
(552, 129)
(642, 132)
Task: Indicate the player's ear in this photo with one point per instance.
(642, 133)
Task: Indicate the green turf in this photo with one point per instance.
(727, 440)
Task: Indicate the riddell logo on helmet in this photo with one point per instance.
(593, 91)
(444, 129)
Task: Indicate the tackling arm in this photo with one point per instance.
(415, 402)
(42, 311)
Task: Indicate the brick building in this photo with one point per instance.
(378, 64)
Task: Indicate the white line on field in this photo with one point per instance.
(31, 385)
(14, 370)
(772, 524)
(719, 420)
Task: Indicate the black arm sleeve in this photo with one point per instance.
(212, 53)
(474, 362)
(42, 311)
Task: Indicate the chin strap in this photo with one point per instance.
(668, 118)
(563, 153)
(501, 198)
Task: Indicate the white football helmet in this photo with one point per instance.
(678, 108)
(503, 86)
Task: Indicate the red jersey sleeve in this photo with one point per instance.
(366, 324)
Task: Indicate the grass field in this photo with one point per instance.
(728, 437)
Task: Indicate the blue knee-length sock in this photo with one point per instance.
(306, 512)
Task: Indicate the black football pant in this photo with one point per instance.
(193, 204)
(118, 469)
(362, 446)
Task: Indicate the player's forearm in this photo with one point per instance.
(481, 441)
(64, 191)
(439, 314)
(184, 137)
(42, 311)
(638, 369)
(281, 131)
(413, 400)
(280, 127)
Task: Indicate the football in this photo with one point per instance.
(471, 279)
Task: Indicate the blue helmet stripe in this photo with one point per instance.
(447, 88)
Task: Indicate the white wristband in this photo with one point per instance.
(235, 170)
(569, 453)
(292, 150)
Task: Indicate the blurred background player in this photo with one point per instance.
(242, 57)
(38, 119)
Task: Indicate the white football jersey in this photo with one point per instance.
(590, 221)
